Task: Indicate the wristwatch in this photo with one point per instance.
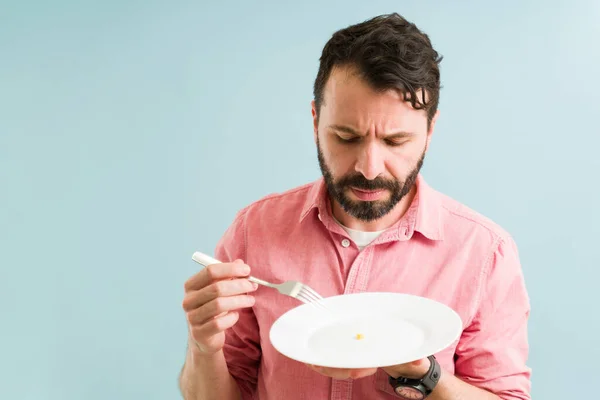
(418, 389)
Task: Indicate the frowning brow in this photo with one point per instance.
(351, 131)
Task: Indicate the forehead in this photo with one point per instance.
(350, 99)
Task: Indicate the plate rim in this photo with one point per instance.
(452, 315)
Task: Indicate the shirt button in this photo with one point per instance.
(345, 243)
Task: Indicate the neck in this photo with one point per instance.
(379, 224)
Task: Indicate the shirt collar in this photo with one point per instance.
(315, 199)
(422, 216)
(428, 204)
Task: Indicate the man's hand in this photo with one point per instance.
(212, 300)
(413, 370)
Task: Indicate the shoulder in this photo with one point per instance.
(286, 205)
(459, 218)
(264, 217)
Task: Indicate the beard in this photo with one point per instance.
(367, 210)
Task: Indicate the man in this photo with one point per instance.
(371, 224)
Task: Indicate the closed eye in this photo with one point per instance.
(395, 143)
(352, 139)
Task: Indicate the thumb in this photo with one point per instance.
(418, 363)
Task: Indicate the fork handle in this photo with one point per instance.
(206, 260)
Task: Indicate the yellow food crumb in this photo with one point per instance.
(360, 336)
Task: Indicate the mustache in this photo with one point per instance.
(360, 182)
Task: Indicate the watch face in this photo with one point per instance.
(409, 393)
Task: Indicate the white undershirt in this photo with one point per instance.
(361, 238)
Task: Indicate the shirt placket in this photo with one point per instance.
(356, 283)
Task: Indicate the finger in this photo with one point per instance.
(362, 373)
(215, 326)
(335, 373)
(215, 272)
(339, 373)
(225, 288)
(218, 306)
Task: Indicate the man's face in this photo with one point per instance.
(371, 145)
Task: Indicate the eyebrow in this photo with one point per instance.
(394, 135)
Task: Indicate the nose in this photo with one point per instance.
(370, 161)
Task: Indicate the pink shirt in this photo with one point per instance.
(439, 249)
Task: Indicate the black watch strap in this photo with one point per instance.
(432, 377)
(426, 384)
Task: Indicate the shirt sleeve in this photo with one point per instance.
(242, 342)
(493, 349)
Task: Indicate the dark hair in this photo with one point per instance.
(389, 53)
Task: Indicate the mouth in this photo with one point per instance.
(368, 195)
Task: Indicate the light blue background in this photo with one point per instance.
(131, 132)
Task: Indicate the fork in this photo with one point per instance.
(294, 289)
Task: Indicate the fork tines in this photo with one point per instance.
(309, 296)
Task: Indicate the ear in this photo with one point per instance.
(431, 128)
(315, 120)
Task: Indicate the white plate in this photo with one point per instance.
(396, 328)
